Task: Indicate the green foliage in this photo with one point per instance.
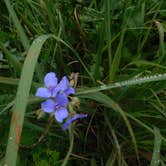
(46, 157)
(118, 48)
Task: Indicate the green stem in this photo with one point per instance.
(71, 137)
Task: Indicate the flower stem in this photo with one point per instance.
(71, 138)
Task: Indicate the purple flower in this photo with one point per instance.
(52, 89)
(50, 81)
(73, 119)
(56, 95)
(60, 111)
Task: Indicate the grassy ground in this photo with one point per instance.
(118, 48)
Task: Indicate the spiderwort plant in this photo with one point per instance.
(56, 95)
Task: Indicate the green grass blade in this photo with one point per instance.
(116, 60)
(10, 81)
(156, 151)
(20, 30)
(12, 59)
(115, 139)
(60, 58)
(15, 82)
(21, 100)
(71, 138)
(137, 81)
(108, 28)
(146, 35)
(7, 107)
(146, 63)
(51, 16)
(161, 38)
(98, 57)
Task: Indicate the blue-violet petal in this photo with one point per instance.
(62, 99)
(48, 106)
(63, 84)
(60, 114)
(73, 119)
(50, 80)
(69, 91)
(43, 92)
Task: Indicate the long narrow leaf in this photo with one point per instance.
(130, 82)
(17, 24)
(157, 144)
(21, 100)
(12, 59)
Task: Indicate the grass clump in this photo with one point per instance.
(118, 48)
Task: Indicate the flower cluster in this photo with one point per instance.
(56, 95)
